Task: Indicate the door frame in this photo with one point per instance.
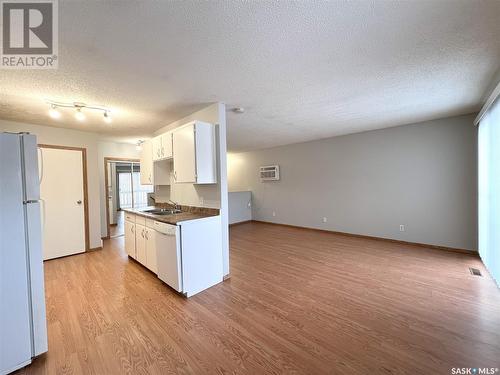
(107, 159)
(85, 185)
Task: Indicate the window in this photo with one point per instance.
(131, 193)
(140, 191)
(489, 189)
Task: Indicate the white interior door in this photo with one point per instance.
(62, 194)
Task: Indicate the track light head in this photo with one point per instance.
(79, 115)
(53, 112)
(107, 118)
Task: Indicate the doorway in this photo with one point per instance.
(64, 198)
(124, 190)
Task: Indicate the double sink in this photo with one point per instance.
(163, 211)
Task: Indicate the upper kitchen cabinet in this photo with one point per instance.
(162, 146)
(194, 153)
(147, 163)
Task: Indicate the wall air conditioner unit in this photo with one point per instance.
(270, 173)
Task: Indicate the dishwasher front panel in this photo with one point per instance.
(168, 253)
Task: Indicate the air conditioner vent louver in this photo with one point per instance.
(270, 173)
(475, 271)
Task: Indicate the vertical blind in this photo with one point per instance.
(489, 189)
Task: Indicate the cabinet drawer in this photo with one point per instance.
(141, 220)
(130, 217)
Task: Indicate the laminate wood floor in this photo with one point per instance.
(298, 301)
(118, 229)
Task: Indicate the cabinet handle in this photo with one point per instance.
(158, 152)
(147, 235)
(132, 229)
(175, 175)
(142, 233)
(149, 177)
(162, 151)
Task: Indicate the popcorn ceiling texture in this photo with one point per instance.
(302, 70)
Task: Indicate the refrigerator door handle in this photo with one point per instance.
(40, 158)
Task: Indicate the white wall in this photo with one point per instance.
(66, 137)
(115, 150)
(420, 175)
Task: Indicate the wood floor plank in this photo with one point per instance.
(297, 302)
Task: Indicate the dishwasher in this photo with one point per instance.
(168, 250)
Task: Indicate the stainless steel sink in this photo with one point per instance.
(162, 211)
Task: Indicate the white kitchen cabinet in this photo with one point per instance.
(151, 257)
(147, 163)
(130, 238)
(166, 145)
(189, 254)
(140, 243)
(140, 240)
(156, 148)
(162, 146)
(194, 153)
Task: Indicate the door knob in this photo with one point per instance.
(79, 202)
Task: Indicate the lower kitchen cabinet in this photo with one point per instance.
(140, 243)
(130, 238)
(187, 256)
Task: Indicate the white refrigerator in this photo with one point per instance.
(23, 327)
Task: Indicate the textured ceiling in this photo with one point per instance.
(302, 70)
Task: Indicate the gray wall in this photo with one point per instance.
(420, 175)
(240, 206)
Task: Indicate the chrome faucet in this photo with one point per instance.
(176, 205)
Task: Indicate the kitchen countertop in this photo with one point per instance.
(188, 213)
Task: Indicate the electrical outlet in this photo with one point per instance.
(274, 213)
(325, 220)
(402, 228)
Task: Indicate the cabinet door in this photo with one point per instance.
(151, 261)
(157, 148)
(140, 243)
(147, 163)
(206, 165)
(130, 238)
(166, 145)
(185, 157)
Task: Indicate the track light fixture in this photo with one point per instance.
(107, 118)
(138, 146)
(78, 107)
(79, 115)
(54, 113)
